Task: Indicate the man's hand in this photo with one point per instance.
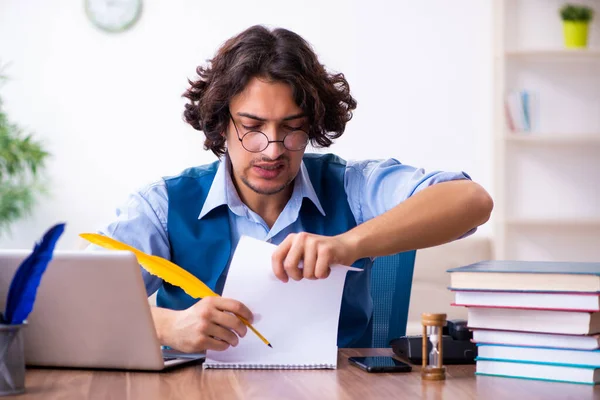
(316, 252)
(208, 325)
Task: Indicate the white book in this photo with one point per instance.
(299, 318)
(557, 373)
(554, 301)
(581, 342)
(540, 355)
(547, 321)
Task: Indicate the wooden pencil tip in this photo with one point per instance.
(270, 345)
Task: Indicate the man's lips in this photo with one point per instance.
(268, 170)
(268, 167)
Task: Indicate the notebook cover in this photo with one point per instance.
(303, 333)
(532, 267)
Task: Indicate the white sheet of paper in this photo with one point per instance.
(298, 318)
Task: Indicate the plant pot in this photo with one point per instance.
(576, 34)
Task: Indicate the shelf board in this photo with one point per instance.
(553, 139)
(554, 222)
(554, 53)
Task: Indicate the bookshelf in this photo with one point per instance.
(555, 139)
(554, 222)
(547, 181)
(566, 54)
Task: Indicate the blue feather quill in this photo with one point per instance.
(23, 288)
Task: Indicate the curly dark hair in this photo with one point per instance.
(277, 55)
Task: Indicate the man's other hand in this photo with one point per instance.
(316, 252)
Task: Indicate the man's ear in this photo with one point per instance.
(224, 136)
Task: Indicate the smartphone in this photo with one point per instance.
(379, 364)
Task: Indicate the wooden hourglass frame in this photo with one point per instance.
(432, 368)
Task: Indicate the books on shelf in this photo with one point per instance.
(519, 107)
(534, 320)
(533, 339)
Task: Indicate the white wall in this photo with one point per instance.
(109, 108)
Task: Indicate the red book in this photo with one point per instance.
(529, 320)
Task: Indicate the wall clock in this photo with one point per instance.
(113, 15)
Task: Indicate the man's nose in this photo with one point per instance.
(275, 148)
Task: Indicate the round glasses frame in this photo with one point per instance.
(266, 142)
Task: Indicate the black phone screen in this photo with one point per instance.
(380, 364)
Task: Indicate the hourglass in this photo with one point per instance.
(433, 370)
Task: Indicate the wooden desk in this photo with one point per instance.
(347, 382)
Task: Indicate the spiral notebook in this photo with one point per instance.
(298, 318)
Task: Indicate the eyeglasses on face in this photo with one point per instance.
(256, 141)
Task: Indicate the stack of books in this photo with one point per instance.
(535, 320)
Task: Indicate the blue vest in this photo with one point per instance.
(203, 246)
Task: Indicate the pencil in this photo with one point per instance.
(253, 329)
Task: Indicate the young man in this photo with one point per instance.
(260, 101)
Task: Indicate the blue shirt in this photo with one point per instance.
(372, 188)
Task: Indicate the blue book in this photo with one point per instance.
(526, 110)
(534, 276)
(541, 355)
(538, 371)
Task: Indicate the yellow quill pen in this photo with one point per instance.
(166, 270)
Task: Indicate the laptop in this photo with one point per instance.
(91, 311)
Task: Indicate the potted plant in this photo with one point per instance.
(21, 161)
(576, 20)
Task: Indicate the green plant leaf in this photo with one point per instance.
(575, 12)
(22, 158)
